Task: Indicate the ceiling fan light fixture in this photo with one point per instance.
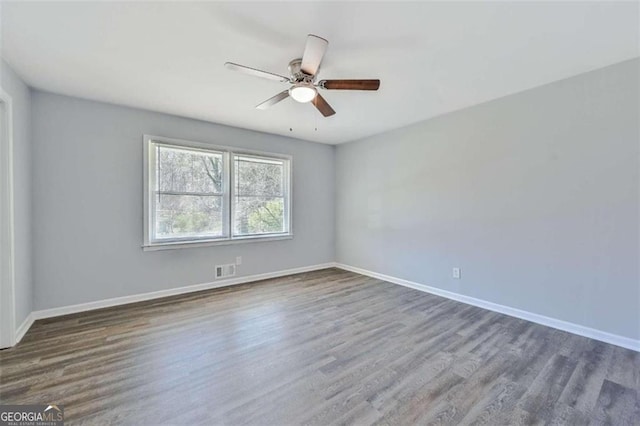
(303, 92)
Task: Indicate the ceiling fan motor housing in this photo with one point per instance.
(297, 75)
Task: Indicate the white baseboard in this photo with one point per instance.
(24, 327)
(580, 330)
(83, 307)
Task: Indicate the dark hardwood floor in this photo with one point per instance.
(326, 347)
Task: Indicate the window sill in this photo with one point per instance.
(193, 244)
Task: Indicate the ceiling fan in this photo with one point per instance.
(303, 73)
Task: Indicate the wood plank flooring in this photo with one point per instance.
(326, 347)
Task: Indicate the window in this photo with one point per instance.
(196, 193)
(259, 196)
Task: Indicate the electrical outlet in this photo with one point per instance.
(238, 260)
(456, 273)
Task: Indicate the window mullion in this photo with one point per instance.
(286, 199)
(195, 194)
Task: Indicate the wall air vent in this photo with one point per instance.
(224, 271)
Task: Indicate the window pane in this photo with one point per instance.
(256, 176)
(182, 170)
(259, 215)
(180, 216)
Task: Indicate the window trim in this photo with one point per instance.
(227, 198)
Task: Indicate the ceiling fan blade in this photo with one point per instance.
(313, 53)
(322, 105)
(256, 72)
(350, 84)
(274, 100)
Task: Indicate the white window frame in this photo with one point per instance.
(228, 154)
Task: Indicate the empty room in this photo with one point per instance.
(319, 213)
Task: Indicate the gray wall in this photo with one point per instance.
(535, 196)
(88, 204)
(21, 100)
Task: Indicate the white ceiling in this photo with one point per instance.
(432, 58)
